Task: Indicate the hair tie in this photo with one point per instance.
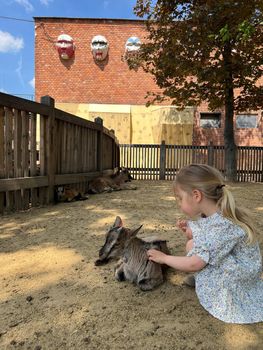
(219, 187)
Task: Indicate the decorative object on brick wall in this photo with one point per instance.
(65, 46)
(132, 47)
(99, 47)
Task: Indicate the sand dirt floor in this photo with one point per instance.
(53, 297)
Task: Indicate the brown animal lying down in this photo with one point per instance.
(116, 182)
(67, 194)
(133, 265)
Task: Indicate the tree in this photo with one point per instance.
(201, 50)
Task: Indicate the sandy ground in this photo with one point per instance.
(53, 297)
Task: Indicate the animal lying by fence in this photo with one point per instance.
(115, 182)
(133, 265)
(67, 194)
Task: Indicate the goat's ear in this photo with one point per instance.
(118, 222)
(134, 232)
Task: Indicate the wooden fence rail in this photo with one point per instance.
(161, 162)
(42, 147)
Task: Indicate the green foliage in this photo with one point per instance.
(200, 50)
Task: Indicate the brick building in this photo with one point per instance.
(108, 88)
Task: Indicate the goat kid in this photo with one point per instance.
(133, 265)
(115, 182)
(67, 194)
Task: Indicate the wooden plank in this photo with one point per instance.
(75, 120)
(84, 149)
(9, 168)
(18, 103)
(18, 156)
(25, 156)
(51, 151)
(33, 156)
(2, 157)
(2, 142)
(99, 151)
(17, 144)
(75, 167)
(58, 136)
(8, 143)
(63, 150)
(42, 151)
(33, 144)
(78, 151)
(25, 143)
(14, 184)
(78, 178)
(42, 158)
(70, 146)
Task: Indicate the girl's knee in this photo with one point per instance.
(189, 245)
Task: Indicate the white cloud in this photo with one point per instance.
(26, 4)
(29, 7)
(32, 82)
(45, 2)
(3, 90)
(8, 43)
(19, 71)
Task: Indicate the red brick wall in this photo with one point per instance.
(243, 137)
(82, 80)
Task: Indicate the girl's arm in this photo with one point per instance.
(182, 263)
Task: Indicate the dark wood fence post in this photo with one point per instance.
(51, 149)
(99, 121)
(162, 160)
(210, 154)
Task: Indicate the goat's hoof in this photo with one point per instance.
(99, 262)
(120, 277)
(148, 284)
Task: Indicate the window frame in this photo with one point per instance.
(255, 115)
(207, 114)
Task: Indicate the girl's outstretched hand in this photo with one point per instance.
(156, 256)
(182, 225)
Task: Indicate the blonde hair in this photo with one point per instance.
(211, 183)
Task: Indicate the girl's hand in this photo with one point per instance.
(156, 256)
(182, 225)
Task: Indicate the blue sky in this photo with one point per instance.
(17, 36)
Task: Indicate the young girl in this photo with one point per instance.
(221, 247)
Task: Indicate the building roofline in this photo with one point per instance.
(90, 19)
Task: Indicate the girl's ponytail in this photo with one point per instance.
(239, 216)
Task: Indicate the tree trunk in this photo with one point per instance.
(229, 138)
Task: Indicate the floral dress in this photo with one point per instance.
(230, 286)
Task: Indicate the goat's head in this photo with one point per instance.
(124, 174)
(59, 194)
(116, 239)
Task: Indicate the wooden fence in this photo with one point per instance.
(42, 147)
(161, 162)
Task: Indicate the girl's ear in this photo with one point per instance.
(197, 195)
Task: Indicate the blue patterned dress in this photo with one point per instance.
(230, 286)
